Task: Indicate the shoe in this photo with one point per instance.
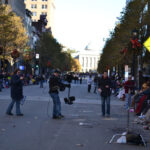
(57, 117)
(62, 116)
(19, 114)
(10, 114)
(108, 116)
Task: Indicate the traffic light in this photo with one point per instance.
(37, 66)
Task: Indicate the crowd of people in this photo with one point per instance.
(137, 101)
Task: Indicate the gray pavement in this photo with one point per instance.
(82, 128)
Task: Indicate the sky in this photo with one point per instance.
(85, 22)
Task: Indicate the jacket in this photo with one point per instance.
(16, 88)
(55, 84)
(129, 85)
(102, 83)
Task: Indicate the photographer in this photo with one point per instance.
(55, 85)
(16, 93)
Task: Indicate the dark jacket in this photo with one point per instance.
(16, 88)
(102, 83)
(55, 84)
(129, 86)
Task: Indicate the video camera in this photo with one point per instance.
(69, 100)
(68, 78)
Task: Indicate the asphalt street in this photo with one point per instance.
(82, 128)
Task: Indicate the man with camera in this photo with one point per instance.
(55, 85)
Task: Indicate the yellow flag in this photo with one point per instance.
(147, 44)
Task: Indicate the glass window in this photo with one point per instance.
(34, 13)
(44, 13)
(44, 6)
(33, 5)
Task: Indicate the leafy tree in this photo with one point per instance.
(131, 18)
(76, 67)
(51, 51)
(12, 32)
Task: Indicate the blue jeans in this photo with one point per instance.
(128, 100)
(56, 104)
(41, 84)
(10, 107)
(107, 101)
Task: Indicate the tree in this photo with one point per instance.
(51, 51)
(12, 32)
(76, 67)
(120, 37)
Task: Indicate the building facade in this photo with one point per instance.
(88, 60)
(42, 7)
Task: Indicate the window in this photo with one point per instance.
(44, 13)
(44, 6)
(34, 13)
(44, 0)
(33, 5)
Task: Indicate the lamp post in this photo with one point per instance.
(135, 48)
(37, 57)
(134, 37)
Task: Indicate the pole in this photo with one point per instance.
(133, 64)
(0, 64)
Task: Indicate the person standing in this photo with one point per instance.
(1, 81)
(55, 85)
(89, 82)
(104, 87)
(16, 93)
(129, 87)
(95, 83)
(41, 79)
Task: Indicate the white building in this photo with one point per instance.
(88, 59)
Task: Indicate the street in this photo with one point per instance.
(82, 128)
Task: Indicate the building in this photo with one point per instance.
(42, 7)
(17, 6)
(88, 59)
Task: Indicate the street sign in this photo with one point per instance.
(147, 44)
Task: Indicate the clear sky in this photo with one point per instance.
(79, 22)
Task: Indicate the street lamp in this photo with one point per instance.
(37, 57)
(135, 45)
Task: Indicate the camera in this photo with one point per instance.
(68, 78)
(69, 100)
